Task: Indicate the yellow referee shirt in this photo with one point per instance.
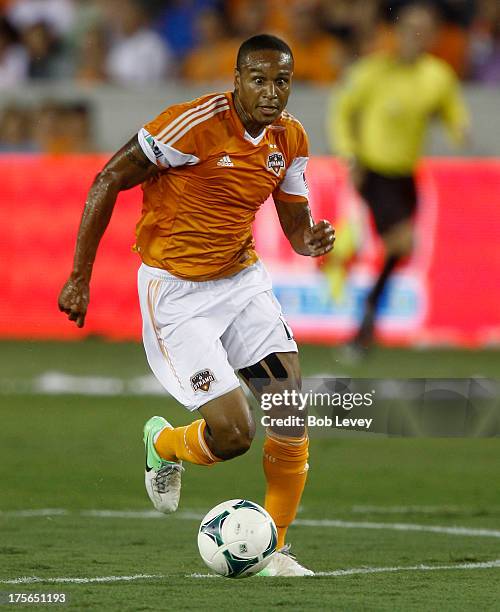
(382, 113)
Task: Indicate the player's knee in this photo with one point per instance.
(236, 447)
(231, 427)
(408, 246)
(400, 240)
(234, 441)
(405, 245)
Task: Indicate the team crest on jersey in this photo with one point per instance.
(202, 380)
(275, 162)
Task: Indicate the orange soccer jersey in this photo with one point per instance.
(197, 213)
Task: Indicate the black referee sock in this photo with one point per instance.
(365, 333)
(374, 295)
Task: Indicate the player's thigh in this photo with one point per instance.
(275, 382)
(184, 352)
(274, 373)
(261, 348)
(259, 330)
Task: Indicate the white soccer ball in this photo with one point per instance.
(237, 538)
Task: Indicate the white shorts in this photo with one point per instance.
(197, 333)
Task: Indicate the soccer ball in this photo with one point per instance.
(237, 538)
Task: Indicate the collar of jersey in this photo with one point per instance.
(240, 128)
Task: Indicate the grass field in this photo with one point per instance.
(393, 524)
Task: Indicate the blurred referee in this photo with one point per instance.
(378, 127)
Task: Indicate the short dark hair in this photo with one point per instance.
(425, 5)
(259, 43)
(393, 10)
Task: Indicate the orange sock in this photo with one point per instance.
(285, 467)
(187, 443)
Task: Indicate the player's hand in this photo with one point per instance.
(319, 238)
(74, 300)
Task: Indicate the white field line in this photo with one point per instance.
(454, 530)
(412, 568)
(192, 515)
(140, 514)
(336, 573)
(33, 579)
(409, 509)
(381, 570)
(56, 383)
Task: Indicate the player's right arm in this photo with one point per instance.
(128, 168)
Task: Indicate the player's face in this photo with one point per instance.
(416, 32)
(262, 85)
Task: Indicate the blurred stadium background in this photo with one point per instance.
(77, 79)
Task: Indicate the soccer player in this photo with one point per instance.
(379, 126)
(206, 299)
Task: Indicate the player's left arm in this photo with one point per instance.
(291, 200)
(305, 236)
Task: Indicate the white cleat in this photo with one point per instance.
(164, 487)
(162, 478)
(283, 563)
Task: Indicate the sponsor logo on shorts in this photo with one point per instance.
(275, 162)
(202, 380)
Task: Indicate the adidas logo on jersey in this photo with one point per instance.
(225, 161)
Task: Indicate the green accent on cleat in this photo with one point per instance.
(151, 428)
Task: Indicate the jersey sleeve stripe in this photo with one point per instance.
(194, 123)
(189, 120)
(187, 113)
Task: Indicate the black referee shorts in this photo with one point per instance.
(391, 199)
